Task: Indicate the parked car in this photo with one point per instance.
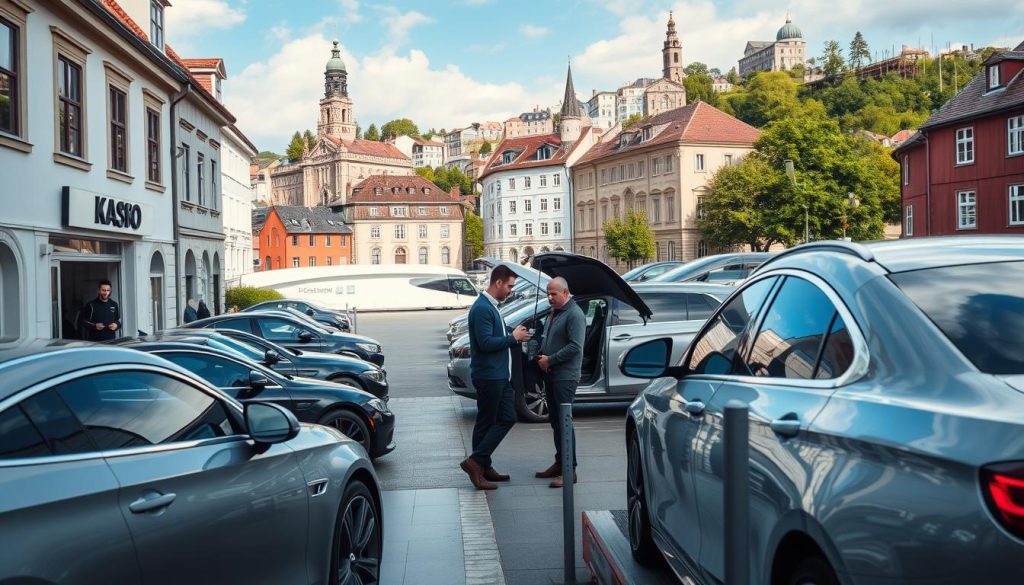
(885, 385)
(650, 270)
(618, 316)
(292, 332)
(720, 268)
(334, 319)
(362, 416)
(120, 467)
(529, 285)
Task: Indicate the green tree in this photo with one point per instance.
(696, 68)
(268, 155)
(747, 205)
(309, 139)
(359, 132)
(486, 147)
(860, 55)
(475, 233)
(715, 72)
(700, 87)
(768, 96)
(427, 173)
(630, 240)
(733, 77)
(296, 147)
(832, 62)
(632, 120)
(429, 134)
(399, 127)
(372, 133)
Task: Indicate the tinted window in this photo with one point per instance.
(665, 306)
(714, 351)
(18, 438)
(279, 329)
(787, 344)
(233, 346)
(236, 324)
(727, 273)
(837, 355)
(63, 433)
(979, 307)
(463, 286)
(220, 372)
(128, 409)
(431, 283)
(700, 307)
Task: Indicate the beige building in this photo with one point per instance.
(661, 166)
(404, 220)
(786, 52)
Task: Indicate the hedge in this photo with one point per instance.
(246, 296)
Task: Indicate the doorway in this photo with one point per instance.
(72, 285)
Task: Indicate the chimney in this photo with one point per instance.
(593, 92)
(454, 193)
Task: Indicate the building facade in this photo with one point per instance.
(962, 173)
(787, 51)
(404, 219)
(238, 199)
(662, 167)
(427, 153)
(295, 236)
(537, 122)
(601, 109)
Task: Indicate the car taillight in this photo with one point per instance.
(1003, 485)
(460, 352)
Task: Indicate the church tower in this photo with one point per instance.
(672, 54)
(571, 124)
(336, 118)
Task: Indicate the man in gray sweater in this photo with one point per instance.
(561, 357)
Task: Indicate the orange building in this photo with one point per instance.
(293, 236)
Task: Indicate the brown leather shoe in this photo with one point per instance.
(557, 483)
(554, 471)
(491, 475)
(476, 474)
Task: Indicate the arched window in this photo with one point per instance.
(593, 252)
(266, 264)
(400, 256)
(513, 255)
(10, 294)
(671, 250)
(156, 292)
(375, 256)
(657, 251)
(702, 249)
(446, 256)
(423, 255)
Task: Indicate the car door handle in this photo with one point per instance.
(694, 407)
(150, 502)
(786, 427)
(622, 337)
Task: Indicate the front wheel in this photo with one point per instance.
(641, 544)
(356, 553)
(350, 424)
(532, 405)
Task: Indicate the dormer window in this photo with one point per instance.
(508, 156)
(544, 152)
(993, 76)
(156, 23)
(648, 132)
(378, 191)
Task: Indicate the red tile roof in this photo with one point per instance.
(975, 100)
(901, 136)
(526, 148)
(114, 8)
(203, 63)
(395, 188)
(370, 148)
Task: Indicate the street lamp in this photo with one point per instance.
(791, 173)
(852, 202)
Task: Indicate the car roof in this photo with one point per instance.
(717, 290)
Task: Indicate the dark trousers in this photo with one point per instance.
(495, 415)
(558, 392)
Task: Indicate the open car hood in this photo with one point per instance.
(588, 276)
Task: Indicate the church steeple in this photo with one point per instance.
(672, 53)
(336, 119)
(571, 123)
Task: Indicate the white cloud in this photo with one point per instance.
(280, 32)
(192, 18)
(532, 31)
(350, 11)
(398, 25)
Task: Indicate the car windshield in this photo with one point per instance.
(687, 270)
(307, 320)
(979, 307)
(238, 348)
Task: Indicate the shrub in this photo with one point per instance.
(246, 296)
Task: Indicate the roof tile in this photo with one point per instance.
(311, 220)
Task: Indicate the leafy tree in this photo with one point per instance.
(748, 205)
(859, 53)
(427, 173)
(632, 120)
(359, 132)
(696, 68)
(630, 240)
(371, 133)
(268, 155)
(715, 72)
(296, 147)
(733, 77)
(446, 178)
(832, 62)
(474, 231)
(309, 139)
(769, 96)
(556, 120)
(700, 87)
(399, 127)
(429, 134)
(486, 148)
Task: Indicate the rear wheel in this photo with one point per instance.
(350, 424)
(356, 553)
(532, 405)
(641, 544)
(813, 571)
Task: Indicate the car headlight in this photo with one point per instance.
(375, 375)
(377, 404)
(370, 347)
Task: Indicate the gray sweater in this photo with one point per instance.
(563, 342)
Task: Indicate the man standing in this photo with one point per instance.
(101, 317)
(490, 357)
(561, 358)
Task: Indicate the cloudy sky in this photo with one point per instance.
(447, 63)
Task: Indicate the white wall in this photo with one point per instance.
(496, 214)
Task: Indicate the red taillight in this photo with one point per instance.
(1003, 485)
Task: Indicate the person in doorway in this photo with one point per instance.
(190, 311)
(561, 359)
(203, 311)
(491, 370)
(101, 317)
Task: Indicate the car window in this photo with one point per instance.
(133, 408)
(439, 283)
(217, 371)
(62, 432)
(462, 286)
(837, 355)
(279, 330)
(18, 438)
(727, 273)
(595, 309)
(791, 334)
(664, 306)
(700, 306)
(236, 347)
(715, 349)
(236, 324)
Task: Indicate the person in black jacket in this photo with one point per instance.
(190, 311)
(101, 317)
(203, 311)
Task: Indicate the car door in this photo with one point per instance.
(668, 319)
(60, 520)
(784, 374)
(231, 376)
(674, 454)
(289, 334)
(204, 504)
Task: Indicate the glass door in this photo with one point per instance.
(55, 306)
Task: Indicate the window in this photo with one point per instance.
(216, 370)
(583, 220)
(421, 211)
(295, 261)
(400, 256)
(56, 431)
(422, 231)
(557, 180)
(671, 250)
(312, 260)
(512, 184)
(604, 176)
(615, 174)
(700, 207)
(527, 206)
(295, 240)
(558, 228)
(966, 210)
(656, 210)
(640, 169)
(908, 221)
(698, 163)
(10, 82)
(965, 146)
(400, 231)
(19, 437)
(423, 255)
(444, 230)
(156, 23)
(670, 209)
(375, 231)
(512, 206)
(70, 102)
(993, 76)
(622, 172)
(446, 257)
(526, 182)
(275, 329)
(213, 184)
(655, 166)
(727, 160)
(513, 229)
(152, 145)
(543, 228)
(557, 203)
(615, 210)
(312, 240)
(715, 350)
(604, 213)
(186, 172)
(200, 178)
(444, 211)
(1016, 204)
(906, 170)
(543, 180)
(543, 204)
(327, 241)
(702, 249)
(528, 228)
(668, 163)
(375, 256)
(399, 211)
(118, 117)
(1015, 135)
(374, 212)
(328, 260)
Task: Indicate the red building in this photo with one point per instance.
(963, 171)
(293, 236)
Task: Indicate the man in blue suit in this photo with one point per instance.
(490, 354)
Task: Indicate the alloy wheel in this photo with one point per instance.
(635, 495)
(359, 544)
(537, 401)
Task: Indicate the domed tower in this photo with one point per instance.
(790, 37)
(336, 119)
(672, 54)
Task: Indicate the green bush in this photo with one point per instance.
(246, 296)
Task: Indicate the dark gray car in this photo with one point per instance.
(885, 385)
(117, 466)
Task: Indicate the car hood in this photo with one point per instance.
(351, 394)
(352, 338)
(1014, 381)
(589, 276)
(350, 364)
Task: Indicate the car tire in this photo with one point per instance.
(641, 543)
(533, 406)
(813, 571)
(349, 381)
(351, 425)
(357, 545)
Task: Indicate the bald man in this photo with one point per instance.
(560, 359)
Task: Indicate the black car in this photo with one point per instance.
(336, 319)
(295, 333)
(360, 415)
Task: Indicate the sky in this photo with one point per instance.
(448, 63)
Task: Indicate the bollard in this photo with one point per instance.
(568, 507)
(737, 493)
(354, 320)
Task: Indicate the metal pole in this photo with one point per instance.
(807, 237)
(355, 320)
(737, 494)
(568, 509)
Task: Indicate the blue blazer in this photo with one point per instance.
(489, 342)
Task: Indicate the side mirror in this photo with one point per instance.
(270, 423)
(306, 336)
(310, 312)
(258, 381)
(647, 360)
(271, 357)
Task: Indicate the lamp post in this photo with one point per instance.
(851, 203)
(791, 173)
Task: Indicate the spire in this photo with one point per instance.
(570, 105)
(671, 23)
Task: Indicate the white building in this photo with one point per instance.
(787, 51)
(238, 151)
(601, 109)
(629, 99)
(86, 168)
(427, 153)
